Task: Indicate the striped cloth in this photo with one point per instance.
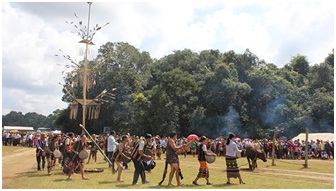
(232, 170)
(203, 170)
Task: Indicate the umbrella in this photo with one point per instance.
(14, 131)
(192, 137)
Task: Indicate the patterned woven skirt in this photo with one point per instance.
(232, 170)
(203, 170)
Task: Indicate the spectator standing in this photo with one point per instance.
(111, 147)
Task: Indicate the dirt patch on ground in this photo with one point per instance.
(20, 161)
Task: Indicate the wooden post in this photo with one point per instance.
(273, 147)
(306, 150)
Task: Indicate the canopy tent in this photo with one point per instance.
(17, 128)
(314, 136)
(57, 132)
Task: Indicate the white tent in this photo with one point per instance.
(314, 136)
(19, 128)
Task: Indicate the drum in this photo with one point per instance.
(57, 153)
(210, 159)
(83, 154)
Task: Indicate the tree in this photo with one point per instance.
(300, 64)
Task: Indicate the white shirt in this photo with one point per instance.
(111, 144)
(141, 145)
(231, 149)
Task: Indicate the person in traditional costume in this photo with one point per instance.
(77, 147)
(121, 149)
(172, 158)
(232, 169)
(203, 170)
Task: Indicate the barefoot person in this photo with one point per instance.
(121, 149)
(203, 170)
(232, 169)
(172, 158)
(77, 147)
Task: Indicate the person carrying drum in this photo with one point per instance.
(138, 156)
(66, 147)
(203, 170)
(77, 148)
(121, 150)
(52, 145)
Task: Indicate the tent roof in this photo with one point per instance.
(314, 136)
(20, 128)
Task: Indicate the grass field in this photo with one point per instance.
(286, 174)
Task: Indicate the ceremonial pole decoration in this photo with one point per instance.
(82, 76)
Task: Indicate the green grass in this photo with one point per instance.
(10, 149)
(288, 174)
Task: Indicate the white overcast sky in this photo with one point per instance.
(32, 33)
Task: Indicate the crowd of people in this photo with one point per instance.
(119, 150)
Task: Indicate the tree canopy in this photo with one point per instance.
(206, 93)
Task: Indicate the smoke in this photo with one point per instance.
(231, 123)
(325, 126)
(214, 126)
(273, 113)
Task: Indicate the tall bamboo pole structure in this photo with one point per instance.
(85, 69)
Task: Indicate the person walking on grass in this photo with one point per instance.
(172, 158)
(121, 149)
(141, 152)
(111, 147)
(77, 147)
(203, 170)
(232, 169)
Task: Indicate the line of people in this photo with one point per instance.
(121, 150)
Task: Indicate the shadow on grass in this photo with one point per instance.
(223, 185)
(106, 182)
(32, 174)
(128, 186)
(245, 169)
(61, 180)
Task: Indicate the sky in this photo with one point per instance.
(33, 33)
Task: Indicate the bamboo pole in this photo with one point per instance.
(101, 151)
(85, 71)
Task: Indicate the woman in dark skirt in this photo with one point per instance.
(232, 169)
